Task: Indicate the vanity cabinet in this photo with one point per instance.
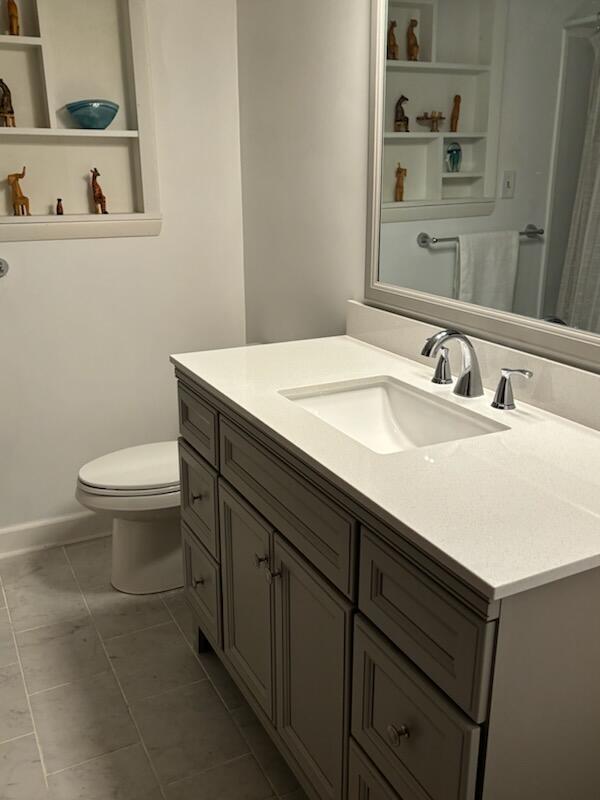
(378, 673)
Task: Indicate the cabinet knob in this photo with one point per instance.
(395, 735)
(260, 560)
(198, 582)
(270, 575)
(196, 498)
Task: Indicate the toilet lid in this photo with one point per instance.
(150, 466)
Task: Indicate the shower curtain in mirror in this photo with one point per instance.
(579, 298)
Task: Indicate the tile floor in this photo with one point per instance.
(103, 698)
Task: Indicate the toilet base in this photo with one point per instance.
(146, 555)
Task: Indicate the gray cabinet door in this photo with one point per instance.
(199, 498)
(202, 586)
(313, 629)
(246, 544)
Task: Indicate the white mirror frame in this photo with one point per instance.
(568, 345)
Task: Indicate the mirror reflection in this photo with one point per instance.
(491, 155)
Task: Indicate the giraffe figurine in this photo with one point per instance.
(393, 51)
(20, 203)
(412, 43)
(98, 197)
(13, 18)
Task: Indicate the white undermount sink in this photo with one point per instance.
(389, 416)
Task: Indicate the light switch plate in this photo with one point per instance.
(508, 184)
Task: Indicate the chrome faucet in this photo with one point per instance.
(469, 382)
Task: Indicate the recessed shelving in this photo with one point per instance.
(20, 41)
(433, 68)
(65, 133)
(47, 70)
(462, 53)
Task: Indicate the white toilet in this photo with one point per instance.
(139, 488)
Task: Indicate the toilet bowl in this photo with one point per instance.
(139, 488)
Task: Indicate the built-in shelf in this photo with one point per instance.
(438, 202)
(428, 136)
(66, 133)
(20, 41)
(464, 136)
(78, 226)
(438, 68)
(462, 176)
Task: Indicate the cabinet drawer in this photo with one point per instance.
(450, 643)
(321, 530)
(199, 498)
(423, 745)
(202, 586)
(198, 424)
(364, 780)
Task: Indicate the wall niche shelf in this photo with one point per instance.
(50, 67)
(462, 53)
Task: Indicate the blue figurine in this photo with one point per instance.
(454, 157)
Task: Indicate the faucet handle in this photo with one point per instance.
(504, 398)
(443, 372)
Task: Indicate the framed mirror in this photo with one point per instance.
(485, 170)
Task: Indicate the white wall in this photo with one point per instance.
(526, 134)
(86, 327)
(304, 71)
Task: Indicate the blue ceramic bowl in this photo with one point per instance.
(96, 114)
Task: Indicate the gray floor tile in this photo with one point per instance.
(183, 616)
(15, 719)
(123, 775)
(8, 654)
(277, 771)
(91, 561)
(37, 565)
(41, 590)
(61, 653)
(238, 780)
(153, 661)
(21, 776)
(187, 730)
(116, 613)
(81, 721)
(223, 683)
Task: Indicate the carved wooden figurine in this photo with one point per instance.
(401, 174)
(20, 203)
(401, 121)
(7, 112)
(393, 51)
(433, 120)
(455, 113)
(98, 197)
(59, 207)
(412, 43)
(14, 28)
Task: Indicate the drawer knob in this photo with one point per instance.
(271, 575)
(198, 582)
(395, 735)
(260, 560)
(196, 498)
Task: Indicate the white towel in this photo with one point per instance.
(488, 268)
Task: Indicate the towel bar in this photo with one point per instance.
(425, 240)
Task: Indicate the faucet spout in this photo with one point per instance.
(469, 383)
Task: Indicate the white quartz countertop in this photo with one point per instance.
(506, 512)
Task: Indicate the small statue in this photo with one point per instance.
(401, 174)
(59, 207)
(412, 43)
(393, 51)
(455, 113)
(454, 157)
(98, 197)
(433, 120)
(401, 121)
(20, 203)
(7, 112)
(13, 18)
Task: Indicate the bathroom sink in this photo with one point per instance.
(389, 416)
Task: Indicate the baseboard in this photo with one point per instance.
(45, 533)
